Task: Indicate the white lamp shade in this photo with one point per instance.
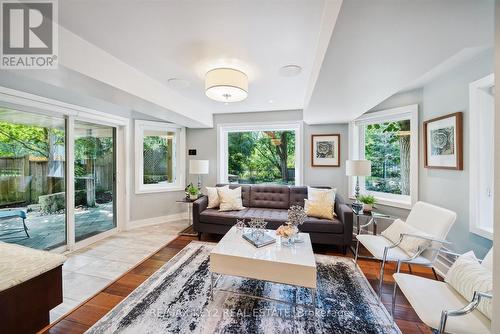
(358, 168)
(226, 85)
(198, 166)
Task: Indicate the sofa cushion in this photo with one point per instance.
(312, 224)
(270, 196)
(268, 214)
(214, 216)
(245, 192)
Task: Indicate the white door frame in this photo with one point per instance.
(37, 104)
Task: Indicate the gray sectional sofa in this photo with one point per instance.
(271, 203)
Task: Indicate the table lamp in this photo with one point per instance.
(198, 167)
(358, 168)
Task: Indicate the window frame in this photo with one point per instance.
(475, 225)
(222, 144)
(357, 151)
(140, 127)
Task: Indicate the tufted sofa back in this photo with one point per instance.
(271, 196)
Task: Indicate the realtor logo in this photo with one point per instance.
(29, 35)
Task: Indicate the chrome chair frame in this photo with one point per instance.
(474, 303)
(410, 259)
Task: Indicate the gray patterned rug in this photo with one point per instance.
(176, 300)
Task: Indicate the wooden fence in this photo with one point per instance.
(23, 180)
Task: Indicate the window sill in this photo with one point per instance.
(482, 232)
(159, 190)
(390, 202)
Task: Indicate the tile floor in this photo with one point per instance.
(90, 269)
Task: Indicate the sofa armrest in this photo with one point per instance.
(345, 215)
(199, 206)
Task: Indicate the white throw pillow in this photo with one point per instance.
(488, 260)
(467, 275)
(321, 195)
(230, 199)
(409, 245)
(213, 196)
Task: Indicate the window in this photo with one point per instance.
(159, 156)
(389, 139)
(481, 158)
(258, 153)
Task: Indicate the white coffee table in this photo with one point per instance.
(276, 263)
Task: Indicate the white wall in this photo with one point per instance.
(446, 94)
(205, 142)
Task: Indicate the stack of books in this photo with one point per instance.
(259, 239)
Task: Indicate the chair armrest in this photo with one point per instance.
(199, 206)
(474, 303)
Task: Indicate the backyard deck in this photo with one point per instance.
(49, 231)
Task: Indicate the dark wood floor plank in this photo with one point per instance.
(80, 319)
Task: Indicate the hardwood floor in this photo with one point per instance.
(83, 317)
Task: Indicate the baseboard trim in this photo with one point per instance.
(156, 220)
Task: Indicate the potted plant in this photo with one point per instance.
(368, 202)
(192, 192)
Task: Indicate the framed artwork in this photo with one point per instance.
(443, 142)
(325, 150)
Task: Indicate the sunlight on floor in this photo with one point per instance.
(90, 269)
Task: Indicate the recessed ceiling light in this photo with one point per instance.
(178, 83)
(271, 101)
(290, 70)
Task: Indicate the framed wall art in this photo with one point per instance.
(325, 150)
(443, 142)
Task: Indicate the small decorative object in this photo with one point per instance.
(358, 168)
(287, 234)
(240, 224)
(296, 216)
(257, 226)
(325, 150)
(443, 142)
(368, 202)
(192, 192)
(257, 235)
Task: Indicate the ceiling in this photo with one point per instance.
(185, 39)
(379, 48)
(354, 54)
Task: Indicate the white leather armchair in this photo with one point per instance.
(434, 221)
(441, 307)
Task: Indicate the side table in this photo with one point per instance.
(188, 231)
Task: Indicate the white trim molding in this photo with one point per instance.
(157, 220)
(481, 144)
(179, 156)
(222, 144)
(356, 151)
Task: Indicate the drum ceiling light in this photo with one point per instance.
(226, 85)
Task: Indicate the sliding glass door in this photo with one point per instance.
(94, 156)
(32, 179)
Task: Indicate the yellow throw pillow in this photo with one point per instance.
(319, 209)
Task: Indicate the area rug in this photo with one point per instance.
(176, 299)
